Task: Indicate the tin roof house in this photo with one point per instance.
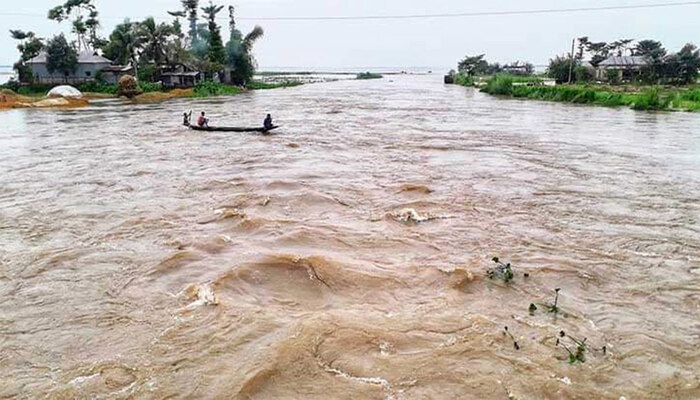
(89, 66)
(626, 67)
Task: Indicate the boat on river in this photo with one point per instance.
(231, 129)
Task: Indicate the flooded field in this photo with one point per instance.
(346, 256)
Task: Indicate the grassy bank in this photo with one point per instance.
(646, 98)
(368, 75)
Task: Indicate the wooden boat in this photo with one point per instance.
(231, 129)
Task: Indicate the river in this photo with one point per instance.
(345, 256)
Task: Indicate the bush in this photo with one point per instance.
(259, 85)
(559, 68)
(147, 73)
(583, 74)
(463, 79)
(148, 87)
(128, 86)
(650, 100)
(208, 88)
(98, 87)
(613, 76)
(499, 84)
(369, 75)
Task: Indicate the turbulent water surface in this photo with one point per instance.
(345, 257)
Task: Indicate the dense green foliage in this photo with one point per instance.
(29, 47)
(259, 85)
(207, 89)
(369, 75)
(60, 56)
(559, 68)
(152, 48)
(499, 85)
(653, 98)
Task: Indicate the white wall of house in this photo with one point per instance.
(83, 73)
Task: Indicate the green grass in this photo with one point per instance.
(259, 85)
(369, 75)
(650, 98)
(464, 80)
(208, 89)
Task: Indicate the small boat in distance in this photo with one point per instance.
(231, 129)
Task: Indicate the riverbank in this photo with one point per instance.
(646, 98)
(34, 96)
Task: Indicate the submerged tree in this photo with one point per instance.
(61, 56)
(29, 47)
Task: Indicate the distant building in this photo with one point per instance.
(182, 76)
(88, 68)
(626, 67)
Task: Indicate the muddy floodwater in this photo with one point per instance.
(346, 256)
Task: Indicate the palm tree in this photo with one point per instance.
(155, 39)
(216, 53)
(243, 60)
(190, 7)
(124, 45)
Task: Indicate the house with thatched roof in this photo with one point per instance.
(626, 68)
(90, 66)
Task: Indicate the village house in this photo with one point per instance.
(90, 66)
(626, 68)
(181, 76)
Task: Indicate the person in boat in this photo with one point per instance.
(268, 122)
(186, 119)
(203, 121)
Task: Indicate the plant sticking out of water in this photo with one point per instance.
(506, 332)
(580, 348)
(501, 271)
(554, 308)
(579, 353)
(532, 308)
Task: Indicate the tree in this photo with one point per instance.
(243, 62)
(124, 44)
(60, 56)
(559, 68)
(654, 52)
(175, 51)
(190, 8)
(74, 9)
(688, 64)
(620, 47)
(473, 65)
(29, 47)
(155, 39)
(216, 54)
(650, 48)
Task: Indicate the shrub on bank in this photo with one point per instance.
(650, 100)
(463, 79)
(260, 85)
(369, 75)
(500, 85)
(206, 89)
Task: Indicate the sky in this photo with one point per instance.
(404, 43)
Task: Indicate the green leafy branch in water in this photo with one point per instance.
(554, 308)
(506, 332)
(501, 271)
(580, 348)
(551, 308)
(579, 355)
